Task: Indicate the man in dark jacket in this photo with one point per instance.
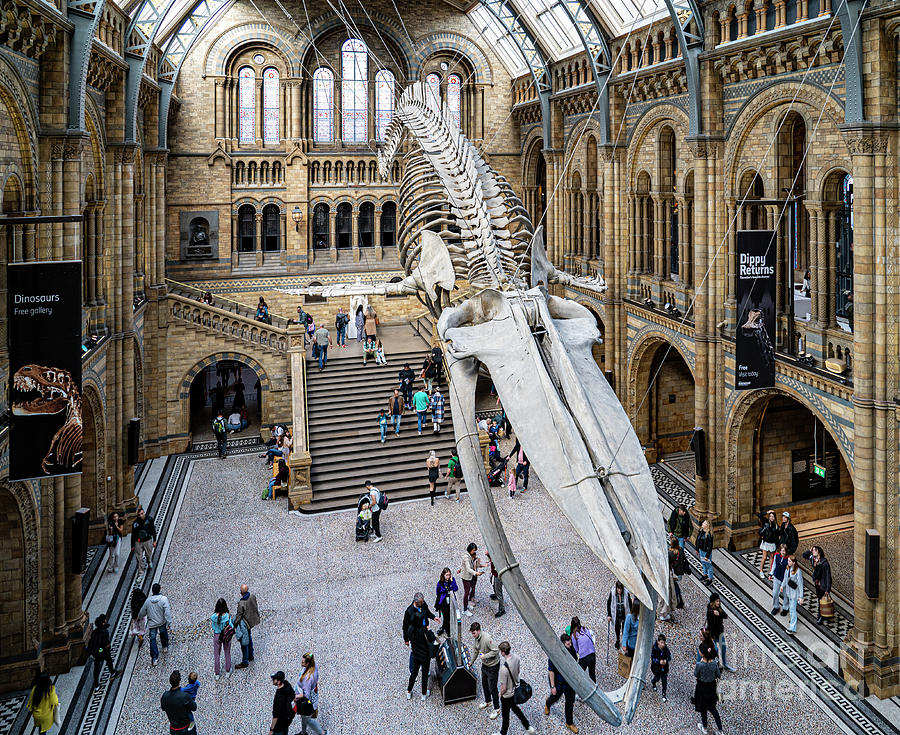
(559, 687)
(143, 537)
(178, 705)
(282, 705)
(715, 624)
(788, 534)
(99, 649)
(419, 613)
(341, 320)
(407, 377)
(421, 644)
(680, 525)
(248, 612)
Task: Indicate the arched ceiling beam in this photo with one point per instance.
(173, 55)
(848, 13)
(84, 15)
(683, 13)
(597, 48)
(531, 52)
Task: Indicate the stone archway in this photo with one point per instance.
(770, 434)
(20, 575)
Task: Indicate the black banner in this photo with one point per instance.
(755, 291)
(44, 369)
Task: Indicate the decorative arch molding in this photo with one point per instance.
(765, 176)
(773, 95)
(25, 501)
(97, 132)
(273, 200)
(592, 305)
(92, 395)
(652, 336)
(532, 146)
(584, 127)
(327, 201)
(464, 46)
(25, 120)
(654, 115)
(255, 203)
(225, 46)
(816, 182)
(741, 404)
(378, 22)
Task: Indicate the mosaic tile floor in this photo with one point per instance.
(320, 591)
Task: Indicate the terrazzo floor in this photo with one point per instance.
(320, 591)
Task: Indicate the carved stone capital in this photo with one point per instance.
(867, 145)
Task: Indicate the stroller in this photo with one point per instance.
(498, 469)
(368, 349)
(363, 522)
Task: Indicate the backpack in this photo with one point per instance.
(227, 634)
(219, 426)
(382, 500)
(455, 467)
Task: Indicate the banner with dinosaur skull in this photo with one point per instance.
(44, 311)
(755, 291)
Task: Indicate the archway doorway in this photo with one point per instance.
(12, 579)
(664, 402)
(234, 388)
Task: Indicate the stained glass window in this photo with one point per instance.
(271, 92)
(354, 92)
(247, 104)
(434, 84)
(454, 97)
(323, 105)
(384, 102)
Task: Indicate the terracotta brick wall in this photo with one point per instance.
(12, 578)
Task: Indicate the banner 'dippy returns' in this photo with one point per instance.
(755, 290)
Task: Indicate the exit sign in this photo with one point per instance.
(818, 470)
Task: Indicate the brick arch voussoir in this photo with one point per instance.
(642, 343)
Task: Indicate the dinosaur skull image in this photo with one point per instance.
(42, 391)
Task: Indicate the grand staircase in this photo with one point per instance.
(343, 402)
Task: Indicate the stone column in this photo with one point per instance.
(259, 113)
(296, 97)
(332, 233)
(816, 273)
(354, 233)
(257, 238)
(300, 490)
(220, 108)
(828, 297)
(761, 16)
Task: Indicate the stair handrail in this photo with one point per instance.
(231, 306)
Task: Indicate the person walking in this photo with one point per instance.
(630, 629)
(360, 321)
(384, 421)
(178, 706)
(223, 632)
(421, 642)
(454, 476)
(559, 687)
(159, 618)
(429, 371)
(776, 577)
(704, 549)
(508, 681)
(680, 524)
(787, 534)
(370, 326)
(497, 586)
(821, 577)
(247, 611)
(377, 504)
(406, 378)
(99, 649)
(488, 653)
(618, 603)
(307, 696)
(705, 694)
(380, 357)
(679, 567)
(522, 467)
(341, 320)
(43, 703)
(143, 538)
(433, 464)
(446, 586)
(768, 538)
(396, 406)
(583, 643)
(793, 591)
(138, 626)
(660, 656)
(282, 705)
(437, 410)
(715, 624)
(115, 532)
(421, 401)
(323, 339)
(469, 573)
(219, 429)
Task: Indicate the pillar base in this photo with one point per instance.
(300, 491)
(863, 670)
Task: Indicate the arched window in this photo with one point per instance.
(247, 104)
(389, 225)
(271, 93)
(434, 84)
(246, 229)
(366, 225)
(354, 96)
(320, 227)
(454, 97)
(271, 228)
(343, 225)
(384, 102)
(845, 251)
(323, 105)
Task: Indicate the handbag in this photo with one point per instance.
(522, 692)
(227, 634)
(792, 584)
(826, 606)
(303, 707)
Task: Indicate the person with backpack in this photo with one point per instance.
(422, 643)
(509, 684)
(223, 632)
(341, 320)
(384, 421)
(454, 476)
(429, 371)
(378, 502)
(282, 705)
(143, 537)
(219, 428)
(159, 617)
(437, 410)
(98, 648)
(680, 524)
